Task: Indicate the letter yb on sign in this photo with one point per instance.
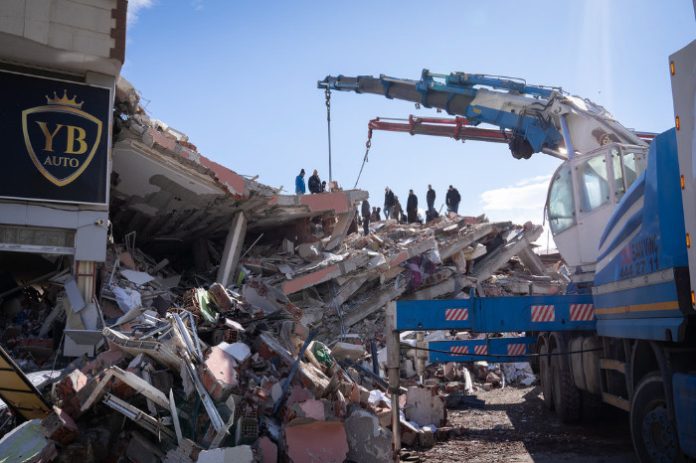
(61, 139)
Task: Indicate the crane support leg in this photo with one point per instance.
(497, 314)
(491, 349)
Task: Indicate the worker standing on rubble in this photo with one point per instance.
(366, 216)
(314, 183)
(299, 183)
(389, 202)
(430, 198)
(452, 200)
(412, 207)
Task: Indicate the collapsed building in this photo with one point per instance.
(158, 306)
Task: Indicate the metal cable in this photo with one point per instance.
(327, 94)
(368, 144)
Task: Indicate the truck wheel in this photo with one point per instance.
(566, 397)
(652, 431)
(545, 376)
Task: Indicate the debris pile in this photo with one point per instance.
(255, 341)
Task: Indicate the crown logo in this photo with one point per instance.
(64, 100)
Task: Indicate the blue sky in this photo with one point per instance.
(240, 79)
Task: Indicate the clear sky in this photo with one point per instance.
(239, 77)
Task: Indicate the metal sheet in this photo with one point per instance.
(18, 392)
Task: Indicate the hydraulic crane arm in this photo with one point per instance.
(539, 119)
(457, 128)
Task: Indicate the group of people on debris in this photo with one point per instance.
(393, 210)
(315, 184)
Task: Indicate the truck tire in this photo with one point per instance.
(545, 376)
(566, 397)
(653, 433)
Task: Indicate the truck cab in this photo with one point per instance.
(583, 193)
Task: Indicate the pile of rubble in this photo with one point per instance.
(346, 290)
(278, 363)
(246, 325)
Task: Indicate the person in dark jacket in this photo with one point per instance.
(452, 199)
(299, 183)
(365, 210)
(389, 202)
(412, 207)
(397, 213)
(430, 198)
(314, 183)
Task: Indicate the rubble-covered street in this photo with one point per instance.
(232, 322)
(514, 426)
(219, 285)
(260, 342)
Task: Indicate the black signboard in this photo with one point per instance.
(55, 139)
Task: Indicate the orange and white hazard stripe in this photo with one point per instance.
(543, 313)
(516, 349)
(481, 350)
(459, 350)
(581, 312)
(456, 314)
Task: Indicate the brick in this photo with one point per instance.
(59, 427)
(219, 375)
(268, 450)
(67, 392)
(317, 442)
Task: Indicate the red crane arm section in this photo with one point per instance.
(457, 128)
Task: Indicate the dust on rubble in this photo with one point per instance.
(514, 426)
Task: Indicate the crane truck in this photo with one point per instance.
(622, 213)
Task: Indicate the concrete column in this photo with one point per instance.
(86, 278)
(233, 249)
(393, 363)
(340, 230)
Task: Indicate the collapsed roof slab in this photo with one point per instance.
(162, 189)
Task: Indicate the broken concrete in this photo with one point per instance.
(318, 442)
(368, 442)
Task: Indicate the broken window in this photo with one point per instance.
(595, 183)
(561, 205)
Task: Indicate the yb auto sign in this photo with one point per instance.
(55, 139)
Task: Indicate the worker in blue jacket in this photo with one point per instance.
(299, 183)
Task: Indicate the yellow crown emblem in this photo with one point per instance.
(64, 100)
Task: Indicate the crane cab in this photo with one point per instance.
(582, 195)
